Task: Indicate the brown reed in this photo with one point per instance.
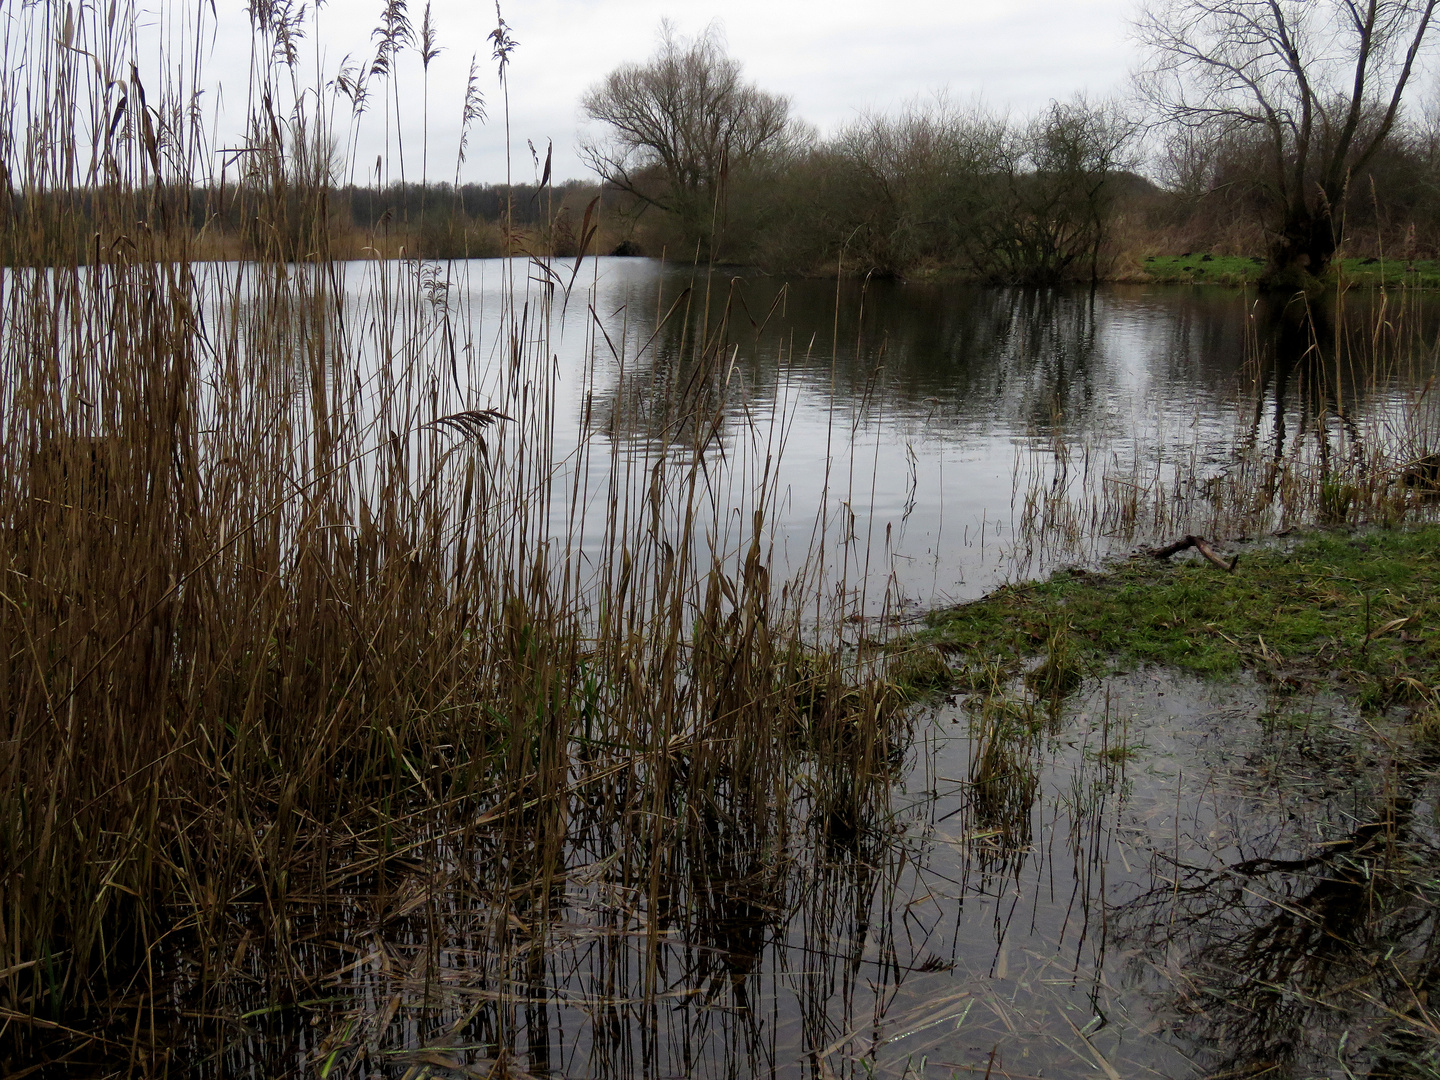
(289, 638)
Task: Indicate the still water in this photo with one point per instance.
(1173, 878)
(914, 420)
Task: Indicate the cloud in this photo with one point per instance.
(835, 58)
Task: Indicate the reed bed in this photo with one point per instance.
(293, 646)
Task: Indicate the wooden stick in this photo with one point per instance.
(1199, 544)
(1209, 554)
(1173, 549)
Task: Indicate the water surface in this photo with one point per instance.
(915, 420)
(1158, 877)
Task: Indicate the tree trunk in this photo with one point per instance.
(1302, 252)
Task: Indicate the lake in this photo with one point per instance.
(914, 421)
(1148, 883)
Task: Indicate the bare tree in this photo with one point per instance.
(1318, 82)
(1045, 213)
(903, 181)
(680, 124)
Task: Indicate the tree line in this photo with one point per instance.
(1257, 128)
(295, 218)
(1277, 127)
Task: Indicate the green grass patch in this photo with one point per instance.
(1202, 268)
(1361, 612)
(1418, 274)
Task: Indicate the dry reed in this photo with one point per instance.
(293, 646)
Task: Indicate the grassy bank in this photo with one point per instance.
(1356, 611)
(1200, 268)
(1190, 268)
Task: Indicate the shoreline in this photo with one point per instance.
(1356, 610)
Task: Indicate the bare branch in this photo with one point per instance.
(676, 125)
(1323, 81)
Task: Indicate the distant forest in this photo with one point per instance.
(825, 212)
(299, 220)
(932, 190)
(1237, 143)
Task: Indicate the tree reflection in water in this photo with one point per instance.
(1002, 894)
(1292, 965)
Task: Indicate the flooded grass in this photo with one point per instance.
(1289, 924)
(1165, 875)
(1352, 610)
(310, 661)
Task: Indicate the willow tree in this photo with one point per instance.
(1317, 83)
(677, 127)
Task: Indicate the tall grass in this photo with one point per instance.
(295, 621)
(329, 732)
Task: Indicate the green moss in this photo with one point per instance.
(1327, 610)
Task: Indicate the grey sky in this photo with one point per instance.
(835, 58)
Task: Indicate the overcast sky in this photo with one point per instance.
(834, 58)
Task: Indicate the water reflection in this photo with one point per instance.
(919, 424)
(1215, 903)
(1319, 955)
(1298, 359)
(915, 417)
(1033, 888)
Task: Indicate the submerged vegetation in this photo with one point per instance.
(1293, 953)
(289, 636)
